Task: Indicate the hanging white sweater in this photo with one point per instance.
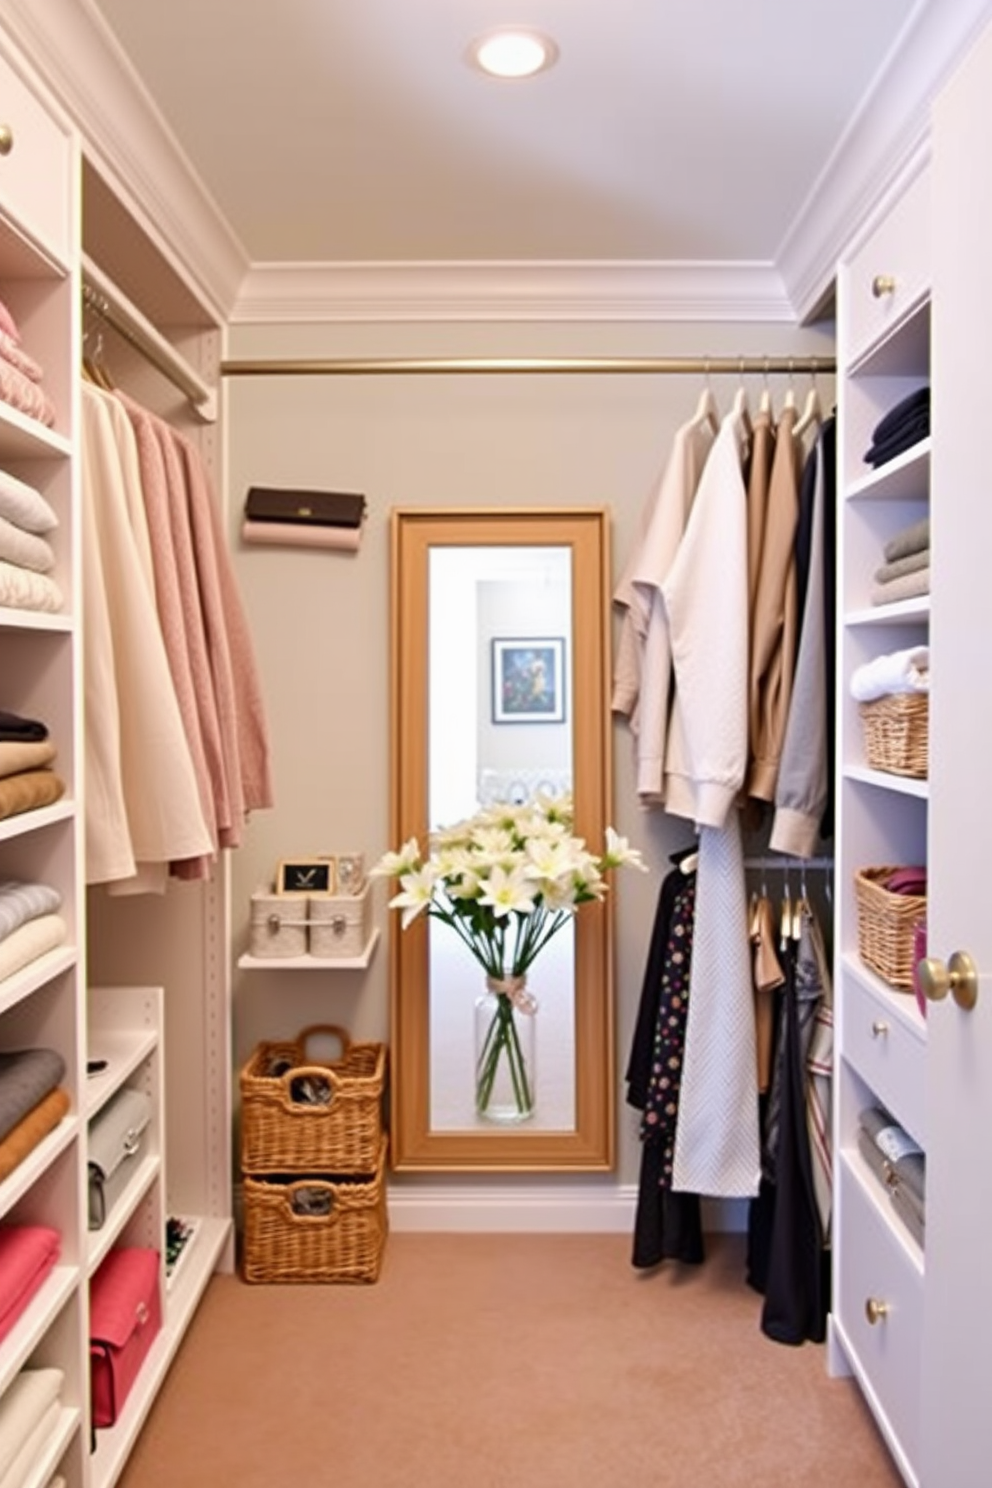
(643, 673)
(706, 602)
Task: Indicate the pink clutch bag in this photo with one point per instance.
(27, 1254)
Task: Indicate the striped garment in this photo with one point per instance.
(20, 902)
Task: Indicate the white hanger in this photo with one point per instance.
(765, 405)
(812, 411)
(741, 409)
(789, 400)
(707, 411)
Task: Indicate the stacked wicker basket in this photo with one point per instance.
(896, 739)
(313, 1160)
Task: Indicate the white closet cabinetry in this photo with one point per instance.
(40, 678)
(913, 1322)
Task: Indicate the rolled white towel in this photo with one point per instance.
(897, 671)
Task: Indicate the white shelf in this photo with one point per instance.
(42, 969)
(903, 785)
(902, 349)
(897, 480)
(903, 612)
(902, 1004)
(101, 1241)
(38, 1160)
(311, 963)
(39, 1314)
(124, 1050)
(32, 821)
(15, 619)
(880, 1201)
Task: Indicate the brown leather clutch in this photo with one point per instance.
(306, 508)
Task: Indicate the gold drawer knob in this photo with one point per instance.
(959, 977)
(879, 1028)
(876, 1310)
(882, 285)
(6, 139)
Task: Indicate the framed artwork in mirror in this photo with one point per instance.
(528, 678)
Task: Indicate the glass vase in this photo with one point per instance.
(505, 1028)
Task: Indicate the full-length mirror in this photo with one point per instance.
(499, 701)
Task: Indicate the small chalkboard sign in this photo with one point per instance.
(305, 876)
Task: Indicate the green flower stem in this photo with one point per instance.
(502, 1041)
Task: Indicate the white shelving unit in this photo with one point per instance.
(884, 343)
(43, 1004)
(311, 963)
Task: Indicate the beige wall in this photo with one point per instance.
(320, 619)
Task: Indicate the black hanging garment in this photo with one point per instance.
(796, 1284)
(667, 1225)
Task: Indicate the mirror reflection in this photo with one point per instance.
(499, 730)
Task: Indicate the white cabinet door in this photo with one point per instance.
(956, 1413)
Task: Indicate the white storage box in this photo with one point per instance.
(278, 924)
(339, 924)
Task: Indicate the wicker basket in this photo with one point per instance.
(338, 1132)
(897, 734)
(317, 1228)
(885, 927)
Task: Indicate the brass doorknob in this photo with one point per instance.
(6, 139)
(959, 977)
(876, 1310)
(883, 284)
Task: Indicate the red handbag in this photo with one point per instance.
(125, 1316)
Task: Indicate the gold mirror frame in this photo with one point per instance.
(589, 1146)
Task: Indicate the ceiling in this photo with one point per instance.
(346, 131)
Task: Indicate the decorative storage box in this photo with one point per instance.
(897, 733)
(125, 1316)
(339, 924)
(116, 1136)
(278, 924)
(303, 1116)
(886, 925)
(326, 1228)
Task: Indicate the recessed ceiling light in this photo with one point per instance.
(513, 52)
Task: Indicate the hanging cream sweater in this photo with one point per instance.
(705, 598)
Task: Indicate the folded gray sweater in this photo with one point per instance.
(26, 1077)
(899, 566)
(910, 540)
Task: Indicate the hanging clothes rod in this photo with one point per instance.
(104, 299)
(654, 366)
(787, 864)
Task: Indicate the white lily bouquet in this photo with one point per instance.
(506, 880)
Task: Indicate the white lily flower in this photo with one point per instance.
(507, 891)
(417, 892)
(619, 852)
(392, 864)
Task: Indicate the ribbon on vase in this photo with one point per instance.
(515, 988)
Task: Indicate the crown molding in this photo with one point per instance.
(886, 141)
(552, 291)
(126, 138)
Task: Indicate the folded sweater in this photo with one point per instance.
(26, 1076)
(909, 540)
(906, 586)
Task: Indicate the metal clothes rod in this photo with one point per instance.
(102, 296)
(387, 366)
(788, 864)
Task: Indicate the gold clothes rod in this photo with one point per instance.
(386, 366)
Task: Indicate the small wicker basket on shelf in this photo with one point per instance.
(896, 733)
(886, 922)
(315, 1229)
(339, 1130)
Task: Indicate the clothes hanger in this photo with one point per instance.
(765, 404)
(707, 411)
(93, 366)
(741, 409)
(812, 410)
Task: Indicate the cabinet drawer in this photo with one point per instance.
(887, 1054)
(875, 1266)
(891, 272)
(35, 176)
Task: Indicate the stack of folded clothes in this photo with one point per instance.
(905, 574)
(30, 924)
(907, 670)
(26, 554)
(899, 1162)
(902, 427)
(33, 1101)
(28, 1253)
(311, 519)
(27, 779)
(20, 375)
(29, 1414)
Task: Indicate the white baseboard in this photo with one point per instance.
(468, 1207)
